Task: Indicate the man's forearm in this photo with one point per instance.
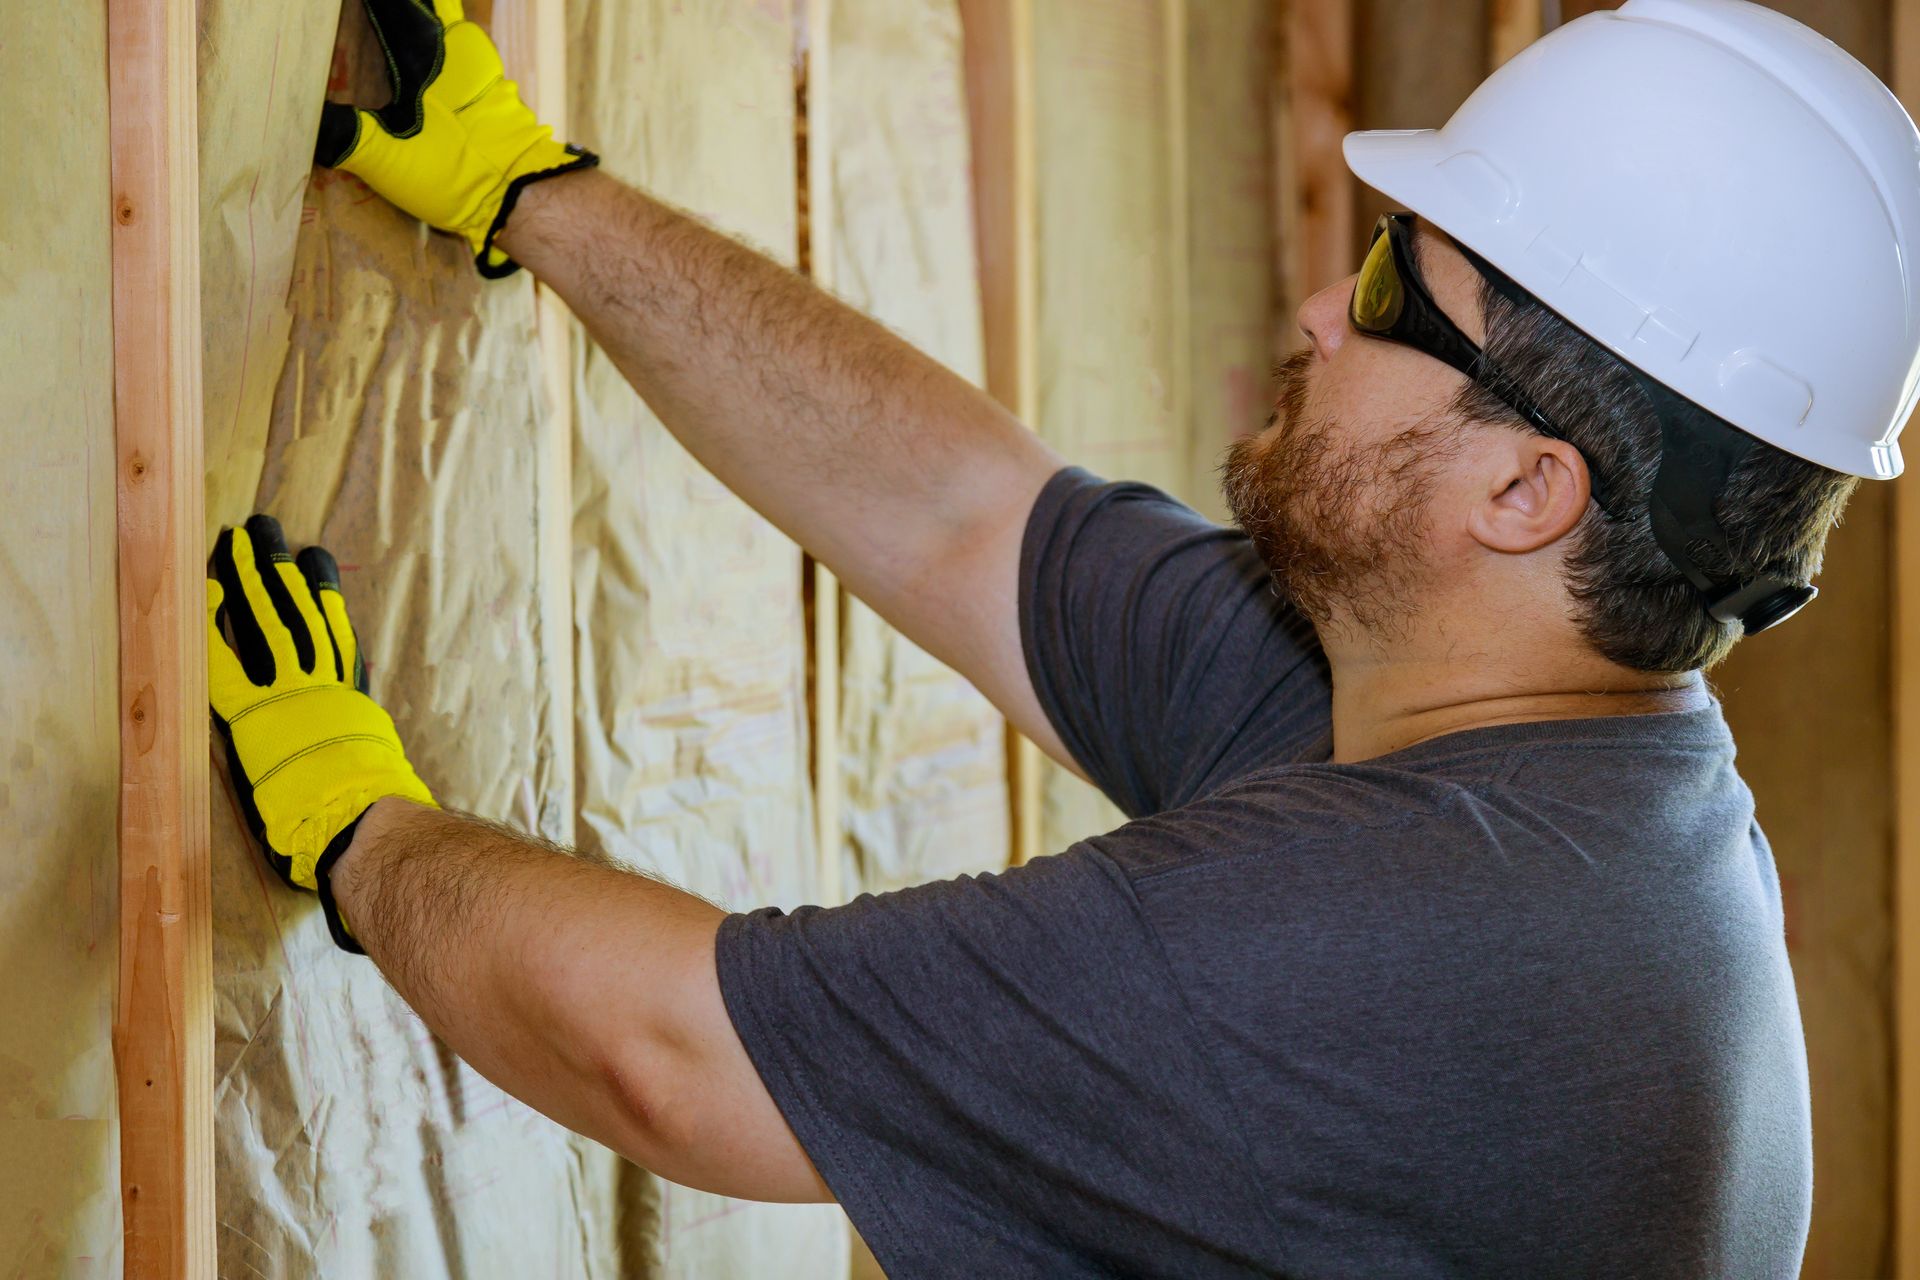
(565, 983)
(877, 459)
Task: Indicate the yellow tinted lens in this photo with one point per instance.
(1376, 294)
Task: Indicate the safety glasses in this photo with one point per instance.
(1698, 451)
(1390, 301)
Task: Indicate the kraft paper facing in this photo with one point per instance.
(404, 431)
(1115, 309)
(690, 707)
(1108, 306)
(59, 694)
(923, 754)
(1229, 197)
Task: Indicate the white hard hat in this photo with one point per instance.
(1723, 198)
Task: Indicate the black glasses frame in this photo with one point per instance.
(1421, 324)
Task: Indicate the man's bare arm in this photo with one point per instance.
(587, 992)
(907, 481)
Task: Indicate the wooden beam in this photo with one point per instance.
(163, 1015)
(813, 121)
(1905, 662)
(999, 72)
(1512, 25)
(1314, 238)
(1571, 9)
(1179, 249)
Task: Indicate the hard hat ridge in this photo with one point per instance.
(1723, 198)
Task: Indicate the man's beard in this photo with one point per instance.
(1342, 530)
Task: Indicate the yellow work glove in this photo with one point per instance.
(308, 749)
(456, 146)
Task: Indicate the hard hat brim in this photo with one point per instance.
(1466, 196)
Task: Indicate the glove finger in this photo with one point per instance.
(323, 659)
(412, 36)
(449, 12)
(245, 609)
(228, 688)
(323, 581)
(340, 129)
(274, 564)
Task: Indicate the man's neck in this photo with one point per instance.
(1389, 697)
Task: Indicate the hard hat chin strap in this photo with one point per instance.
(1698, 452)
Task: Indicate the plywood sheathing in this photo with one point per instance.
(59, 694)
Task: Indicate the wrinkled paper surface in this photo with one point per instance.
(59, 655)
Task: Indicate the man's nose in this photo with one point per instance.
(1323, 317)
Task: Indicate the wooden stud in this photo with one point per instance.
(814, 125)
(163, 1016)
(1179, 250)
(1905, 663)
(1571, 9)
(999, 74)
(1512, 25)
(1314, 238)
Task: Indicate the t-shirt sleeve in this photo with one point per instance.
(1157, 646)
(992, 1067)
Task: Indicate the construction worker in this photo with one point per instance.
(1442, 940)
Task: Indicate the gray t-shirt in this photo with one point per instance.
(1511, 1002)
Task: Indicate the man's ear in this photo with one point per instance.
(1537, 489)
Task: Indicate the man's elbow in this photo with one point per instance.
(707, 1122)
(647, 1107)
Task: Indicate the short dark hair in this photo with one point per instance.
(1634, 606)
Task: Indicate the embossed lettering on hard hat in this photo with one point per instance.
(1760, 390)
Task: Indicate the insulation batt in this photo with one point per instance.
(923, 754)
(369, 389)
(59, 669)
(690, 712)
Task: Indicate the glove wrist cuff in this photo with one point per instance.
(485, 254)
(323, 881)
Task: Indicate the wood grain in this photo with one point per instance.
(163, 1024)
(1512, 25)
(1905, 45)
(1812, 714)
(999, 67)
(1314, 235)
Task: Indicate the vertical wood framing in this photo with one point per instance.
(1173, 18)
(1571, 9)
(163, 1016)
(531, 35)
(1906, 781)
(1512, 25)
(1315, 194)
(813, 120)
(999, 73)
